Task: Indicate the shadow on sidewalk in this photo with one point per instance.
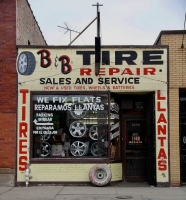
(133, 184)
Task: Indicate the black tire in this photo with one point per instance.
(100, 175)
(26, 63)
(98, 149)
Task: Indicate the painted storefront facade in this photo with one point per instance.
(70, 119)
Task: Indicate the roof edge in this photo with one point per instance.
(168, 32)
(91, 46)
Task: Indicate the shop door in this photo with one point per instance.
(183, 138)
(136, 151)
(138, 122)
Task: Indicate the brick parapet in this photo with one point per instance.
(28, 30)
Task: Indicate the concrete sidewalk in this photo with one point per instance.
(91, 193)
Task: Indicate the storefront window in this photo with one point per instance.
(136, 135)
(70, 125)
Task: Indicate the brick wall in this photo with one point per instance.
(27, 29)
(177, 74)
(8, 83)
(27, 26)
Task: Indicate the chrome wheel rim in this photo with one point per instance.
(77, 129)
(93, 132)
(78, 148)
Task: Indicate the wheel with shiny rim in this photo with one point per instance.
(78, 148)
(77, 129)
(98, 149)
(100, 175)
(93, 132)
(26, 63)
(77, 111)
(45, 137)
(45, 149)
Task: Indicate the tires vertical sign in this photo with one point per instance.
(25, 66)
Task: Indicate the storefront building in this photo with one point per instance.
(62, 119)
(177, 102)
(70, 119)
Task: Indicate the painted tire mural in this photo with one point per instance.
(78, 148)
(100, 175)
(77, 129)
(45, 149)
(26, 63)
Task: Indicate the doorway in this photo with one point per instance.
(138, 133)
(183, 138)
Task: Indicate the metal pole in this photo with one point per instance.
(98, 18)
(98, 24)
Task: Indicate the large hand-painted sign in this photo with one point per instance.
(73, 69)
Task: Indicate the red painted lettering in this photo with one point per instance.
(160, 97)
(22, 163)
(23, 113)
(127, 71)
(22, 147)
(86, 71)
(24, 92)
(102, 72)
(162, 165)
(113, 70)
(161, 140)
(137, 71)
(162, 129)
(162, 154)
(162, 118)
(23, 128)
(150, 71)
(159, 107)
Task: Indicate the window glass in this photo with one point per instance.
(136, 136)
(114, 130)
(70, 125)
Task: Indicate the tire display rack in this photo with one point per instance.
(85, 138)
